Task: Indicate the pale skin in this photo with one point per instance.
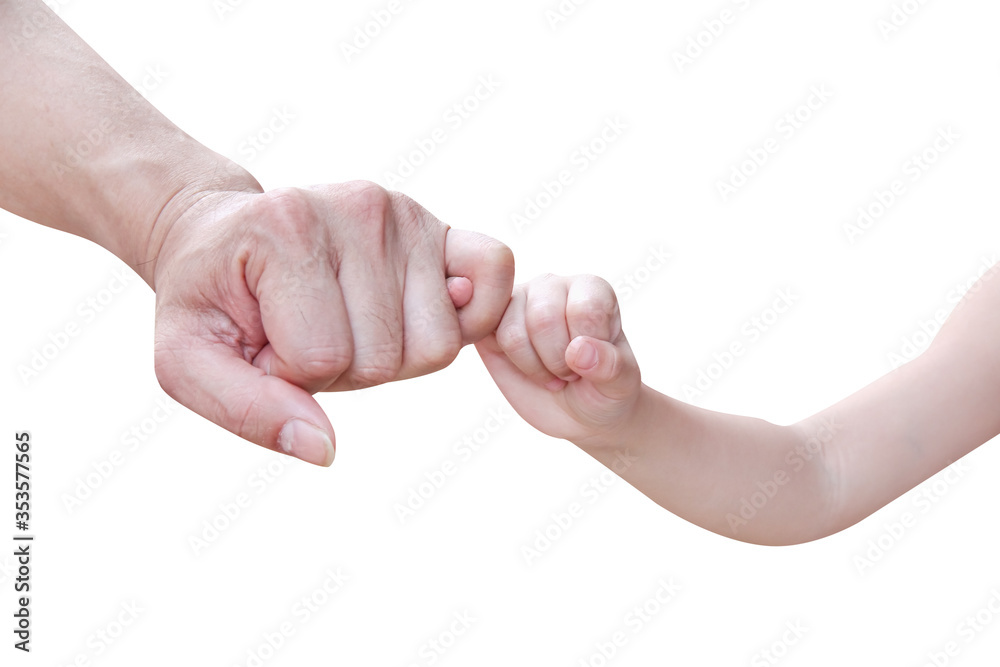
(562, 360)
(262, 298)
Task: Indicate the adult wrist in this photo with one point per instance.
(190, 182)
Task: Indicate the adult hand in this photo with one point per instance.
(265, 298)
(262, 298)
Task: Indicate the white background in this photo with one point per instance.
(224, 74)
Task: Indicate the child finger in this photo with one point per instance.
(545, 319)
(513, 339)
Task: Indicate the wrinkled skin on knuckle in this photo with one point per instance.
(376, 366)
(435, 352)
(378, 360)
(288, 212)
(420, 237)
(322, 363)
(366, 202)
(289, 256)
(416, 224)
(432, 337)
(363, 224)
(282, 225)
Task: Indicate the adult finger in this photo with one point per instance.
(489, 264)
(305, 319)
(373, 298)
(432, 337)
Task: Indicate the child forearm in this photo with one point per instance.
(561, 358)
(754, 481)
(740, 477)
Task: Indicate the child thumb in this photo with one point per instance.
(611, 368)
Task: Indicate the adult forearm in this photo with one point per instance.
(83, 152)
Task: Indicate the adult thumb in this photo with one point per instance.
(216, 382)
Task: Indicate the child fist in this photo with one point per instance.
(562, 361)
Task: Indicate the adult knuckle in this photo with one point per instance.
(371, 374)
(287, 211)
(409, 210)
(376, 366)
(369, 202)
(324, 362)
(436, 351)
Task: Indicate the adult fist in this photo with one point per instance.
(266, 298)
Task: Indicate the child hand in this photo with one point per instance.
(561, 359)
